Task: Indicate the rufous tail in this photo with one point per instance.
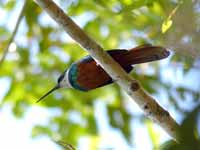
(145, 53)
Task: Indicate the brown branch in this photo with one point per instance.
(14, 32)
(131, 86)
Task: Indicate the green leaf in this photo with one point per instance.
(154, 136)
(166, 25)
(38, 130)
(10, 4)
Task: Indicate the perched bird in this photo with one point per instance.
(86, 74)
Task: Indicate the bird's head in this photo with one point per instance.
(62, 82)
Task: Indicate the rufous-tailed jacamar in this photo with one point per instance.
(86, 74)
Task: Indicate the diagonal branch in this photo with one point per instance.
(148, 104)
(14, 32)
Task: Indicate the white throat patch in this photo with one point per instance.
(65, 81)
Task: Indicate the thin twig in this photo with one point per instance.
(148, 104)
(65, 145)
(14, 32)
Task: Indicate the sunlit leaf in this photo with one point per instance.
(10, 4)
(154, 136)
(166, 25)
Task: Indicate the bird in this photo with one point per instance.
(86, 74)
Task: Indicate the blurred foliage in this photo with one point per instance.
(189, 133)
(44, 50)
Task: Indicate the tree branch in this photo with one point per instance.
(14, 32)
(131, 86)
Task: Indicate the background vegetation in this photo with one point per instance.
(41, 51)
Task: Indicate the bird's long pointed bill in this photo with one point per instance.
(49, 92)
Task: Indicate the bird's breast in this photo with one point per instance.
(87, 75)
